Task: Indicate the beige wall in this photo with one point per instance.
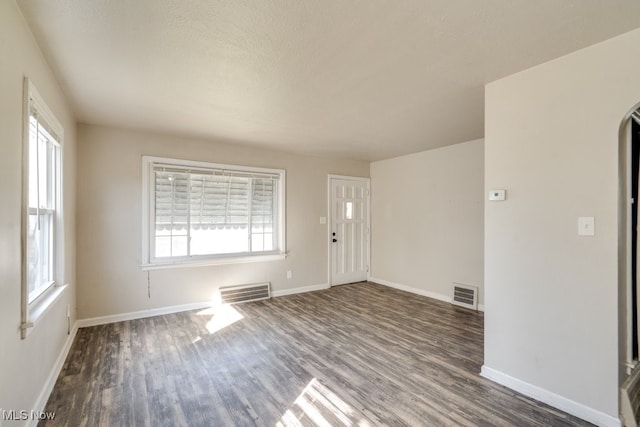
(551, 296)
(427, 220)
(25, 365)
(109, 222)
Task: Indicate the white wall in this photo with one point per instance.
(551, 323)
(25, 365)
(427, 220)
(109, 222)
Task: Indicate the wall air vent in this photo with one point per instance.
(465, 296)
(245, 293)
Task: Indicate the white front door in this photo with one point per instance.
(349, 232)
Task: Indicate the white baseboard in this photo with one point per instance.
(103, 320)
(567, 405)
(43, 397)
(300, 290)
(423, 292)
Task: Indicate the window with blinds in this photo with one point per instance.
(206, 211)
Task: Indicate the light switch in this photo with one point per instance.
(586, 226)
(323, 220)
(497, 195)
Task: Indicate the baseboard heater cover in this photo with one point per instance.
(465, 296)
(245, 293)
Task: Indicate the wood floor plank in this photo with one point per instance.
(361, 354)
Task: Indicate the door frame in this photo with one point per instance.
(628, 363)
(628, 330)
(366, 180)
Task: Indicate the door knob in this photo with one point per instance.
(335, 240)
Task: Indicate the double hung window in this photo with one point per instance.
(42, 207)
(42, 248)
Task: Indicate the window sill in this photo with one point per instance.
(38, 308)
(213, 261)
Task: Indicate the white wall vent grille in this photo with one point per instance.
(245, 293)
(465, 296)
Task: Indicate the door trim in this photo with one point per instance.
(329, 221)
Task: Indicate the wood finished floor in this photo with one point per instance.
(361, 355)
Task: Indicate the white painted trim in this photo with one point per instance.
(423, 292)
(214, 261)
(40, 307)
(43, 397)
(567, 405)
(349, 178)
(418, 291)
(329, 236)
(32, 310)
(148, 261)
(300, 290)
(103, 320)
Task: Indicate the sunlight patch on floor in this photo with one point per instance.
(319, 406)
(221, 317)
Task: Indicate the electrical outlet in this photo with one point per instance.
(289, 274)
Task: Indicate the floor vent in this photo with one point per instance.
(630, 399)
(465, 296)
(245, 293)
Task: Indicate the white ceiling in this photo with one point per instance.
(366, 79)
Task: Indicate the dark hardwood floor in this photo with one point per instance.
(354, 355)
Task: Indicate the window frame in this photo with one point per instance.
(149, 262)
(35, 304)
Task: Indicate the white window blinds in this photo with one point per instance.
(200, 212)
